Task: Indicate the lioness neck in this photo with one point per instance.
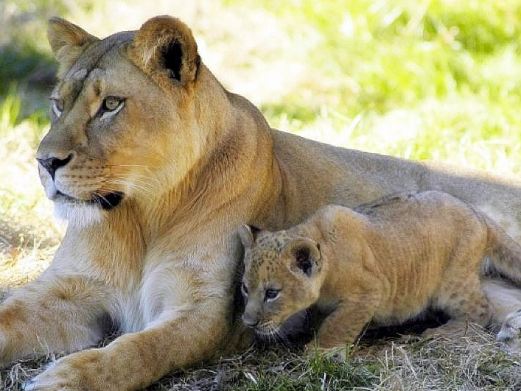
(236, 165)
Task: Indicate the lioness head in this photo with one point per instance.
(127, 115)
(281, 277)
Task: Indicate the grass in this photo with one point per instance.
(470, 361)
(421, 79)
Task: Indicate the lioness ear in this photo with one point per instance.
(304, 256)
(248, 234)
(67, 41)
(165, 47)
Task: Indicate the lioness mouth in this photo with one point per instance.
(106, 202)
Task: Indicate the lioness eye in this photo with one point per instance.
(244, 289)
(56, 106)
(111, 103)
(271, 294)
(111, 106)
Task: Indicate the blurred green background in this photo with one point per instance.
(437, 80)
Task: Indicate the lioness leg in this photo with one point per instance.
(135, 360)
(504, 298)
(55, 314)
(187, 317)
(506, 301)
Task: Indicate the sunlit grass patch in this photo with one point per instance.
(437, 80)
(379, 55)
(27, 234)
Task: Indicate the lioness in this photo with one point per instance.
(155, 165)
(386, 262)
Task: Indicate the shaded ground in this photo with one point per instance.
(467, 362)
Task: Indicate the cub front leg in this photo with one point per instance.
(343, 326)
(51, 314)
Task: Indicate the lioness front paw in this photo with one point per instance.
(76, 372)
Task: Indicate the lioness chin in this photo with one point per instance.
(155, 165)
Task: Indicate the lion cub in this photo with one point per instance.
(384, 262)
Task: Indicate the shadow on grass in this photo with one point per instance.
(28, 74)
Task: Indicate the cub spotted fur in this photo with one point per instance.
(384, 262)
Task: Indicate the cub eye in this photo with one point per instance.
(271, 294)
(111, 105)
(244, 289)
(56, 106)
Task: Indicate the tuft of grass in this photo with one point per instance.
(9, 113)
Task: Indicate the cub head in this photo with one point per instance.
(127, 116)
(281, 277)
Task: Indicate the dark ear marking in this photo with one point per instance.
(303, 259)
(304, 256)
(165, 48)
(254, 231)
(173, 59)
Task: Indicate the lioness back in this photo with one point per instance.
(326, 174)
(385, 262)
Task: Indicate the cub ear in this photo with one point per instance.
(67, 41)
(248, 234)
(164, 47)
(304, 256)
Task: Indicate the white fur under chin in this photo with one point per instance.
(78, 215)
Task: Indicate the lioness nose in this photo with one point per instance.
(51, 164)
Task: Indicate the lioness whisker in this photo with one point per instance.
(145, 187)
(142, 179)
(127, 165)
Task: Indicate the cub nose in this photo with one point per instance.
(51, 164)
(249, 321)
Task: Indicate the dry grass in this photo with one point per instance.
(433, 79)
(471, 361)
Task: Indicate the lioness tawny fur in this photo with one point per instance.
(385, 262)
